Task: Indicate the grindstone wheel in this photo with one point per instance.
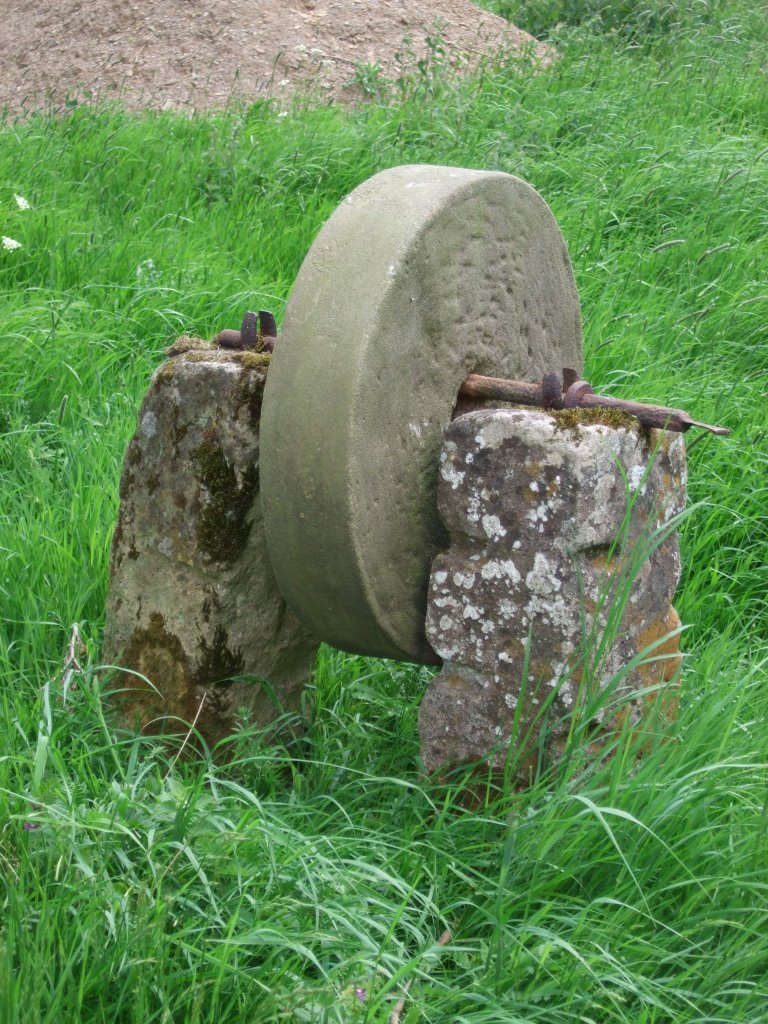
(421, 276)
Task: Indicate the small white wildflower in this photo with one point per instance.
(283, 113)
(22, 203)
(10, 243)
(147, 272)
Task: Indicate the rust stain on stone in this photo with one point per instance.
(158, 656)
(664, 670)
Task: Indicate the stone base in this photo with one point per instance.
(194, 615)
(554, 598)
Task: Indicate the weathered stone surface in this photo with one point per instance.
(552, 585)
(421, 276)
(192, 597)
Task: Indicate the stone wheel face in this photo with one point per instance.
(422, 275)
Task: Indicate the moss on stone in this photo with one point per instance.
(187, 343)
(178, 430)
(164, 375)
(573, 419)
(223, 525)
(256, 360)
(134, 453)
(247, 357)
(204, 357)
(249, 391)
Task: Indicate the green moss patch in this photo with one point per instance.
(223, 526)
(249, 391)
(572, 419)
(187, 343)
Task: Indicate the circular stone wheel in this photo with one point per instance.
(421, 276)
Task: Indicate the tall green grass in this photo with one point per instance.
(310, 882)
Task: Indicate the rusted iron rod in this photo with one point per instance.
(579, 395)
(257, 333)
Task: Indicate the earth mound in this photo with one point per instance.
(199, 54)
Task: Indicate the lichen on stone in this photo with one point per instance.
(519, 616)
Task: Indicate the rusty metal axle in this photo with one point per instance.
(249, 336)
(553, 392)
(571, 393)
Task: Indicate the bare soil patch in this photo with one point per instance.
(198, 54)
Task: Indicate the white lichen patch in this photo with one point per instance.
(492, 435)
(491, 571)
(466, 580)
(447, 653)
(635, 479)
(542, 579)
(471, 612)
(473, 508)
(509, 570)
(452, 476)
(498, 569)
(492, 527)
(565, 693)
(440, 577)
(539, 515)
(553, 610)
(603, 489)
(148, 425)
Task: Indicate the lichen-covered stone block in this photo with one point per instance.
(560, 574)
(194, 615)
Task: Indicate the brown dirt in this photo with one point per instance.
(197, 54)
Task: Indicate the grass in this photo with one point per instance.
(310, 882)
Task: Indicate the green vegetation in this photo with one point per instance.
(310, 882)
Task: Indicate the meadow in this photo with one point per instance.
(310, 880)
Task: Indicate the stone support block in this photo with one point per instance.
(560, 574)
(193, 606)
